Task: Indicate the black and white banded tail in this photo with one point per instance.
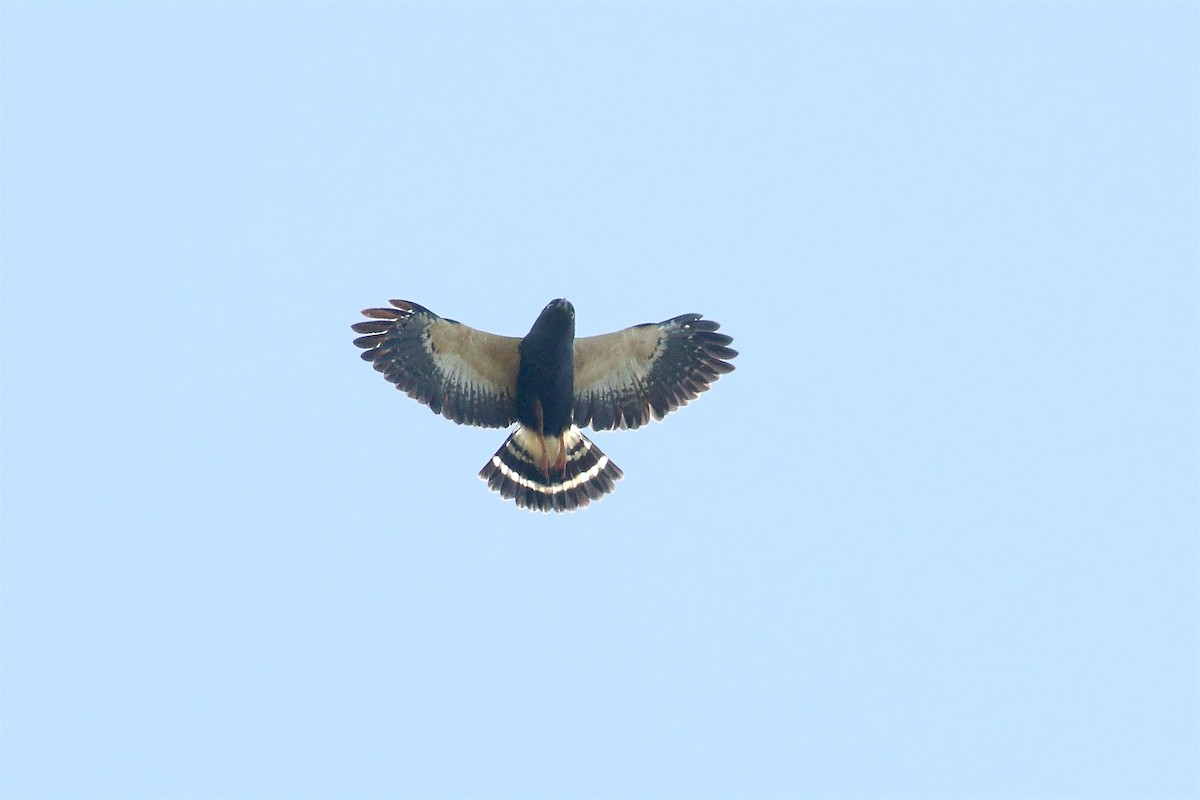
(531, 469)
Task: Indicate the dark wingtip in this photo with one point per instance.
(718, 351)
(708, 337)
(409, 307)
(381, 313)
(704, 325)
(368, 341)
(371, 326)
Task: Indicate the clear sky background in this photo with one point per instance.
(935, 537)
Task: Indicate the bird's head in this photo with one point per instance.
(561, 306)
(557, 318)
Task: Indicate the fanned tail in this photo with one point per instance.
(532, 470)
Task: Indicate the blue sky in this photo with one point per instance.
(935, 537)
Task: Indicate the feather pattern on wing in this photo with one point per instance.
(627, 378)
(463, 374)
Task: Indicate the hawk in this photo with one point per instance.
(550, 383)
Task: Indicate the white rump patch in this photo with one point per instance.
(544, 449)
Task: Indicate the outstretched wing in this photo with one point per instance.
(622, 379)
(463, 374)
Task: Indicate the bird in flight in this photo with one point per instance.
(550, 383)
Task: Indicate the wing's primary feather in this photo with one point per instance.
(624, 379)
(462, 373)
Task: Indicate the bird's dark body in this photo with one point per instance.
(546, 377)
